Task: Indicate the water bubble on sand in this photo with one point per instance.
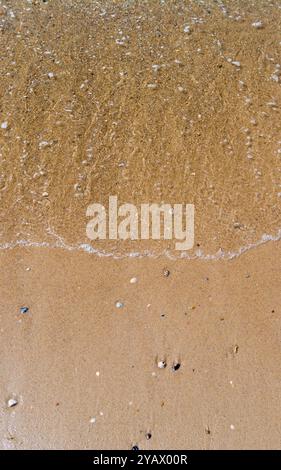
(119, 304)
(272, 104)
(4, 125)
(92, 420)
(44, 144)
(257, 24)
(152, 86)
(187, 29)
(51, 75)
(120, 42)
(176, 366)
(155, 67)
(133, 280)
(275, 78)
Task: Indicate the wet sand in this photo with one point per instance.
(155, 102)
(175, 102)
(74, 357)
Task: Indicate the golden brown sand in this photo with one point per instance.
(152, 101)
(175, 102)
(75, 356)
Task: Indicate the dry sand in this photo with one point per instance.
(156, 101)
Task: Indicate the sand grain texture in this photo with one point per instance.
(221, 323)
(152, 101)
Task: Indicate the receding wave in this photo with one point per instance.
(155, 102)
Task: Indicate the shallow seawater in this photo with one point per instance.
(173, 102)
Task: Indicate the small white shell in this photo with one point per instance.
(12, 402)
(161, 364)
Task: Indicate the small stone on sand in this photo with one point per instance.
(161, 364)
(119, 304)
(176, 366)
(12, 402)
(24, 309)
(166, 272)
(152, 86)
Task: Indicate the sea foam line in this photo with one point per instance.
(199, 254)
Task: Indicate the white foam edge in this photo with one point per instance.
(87, 248)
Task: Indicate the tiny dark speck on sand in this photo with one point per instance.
(135, 448)
(24, 309)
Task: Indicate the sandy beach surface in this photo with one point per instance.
(86, 374)
(111, 344)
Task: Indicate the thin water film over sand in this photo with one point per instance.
(152, 101)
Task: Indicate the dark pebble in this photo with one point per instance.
(176, 366)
